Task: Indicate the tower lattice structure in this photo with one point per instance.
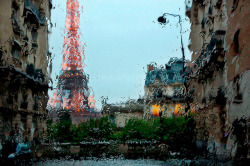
(72, 92)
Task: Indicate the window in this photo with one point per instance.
(236, 41)
(16, 49)
(235, 5)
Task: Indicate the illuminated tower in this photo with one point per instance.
(72, 91)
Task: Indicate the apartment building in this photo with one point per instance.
(25, 68)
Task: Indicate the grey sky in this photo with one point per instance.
(121, 39)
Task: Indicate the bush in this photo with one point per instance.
(138, 129)
(177, 132)
(61, 131)
(65, 131)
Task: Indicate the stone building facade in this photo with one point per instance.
(120, 113)
(24, 72)
(220, 75)
(164, 90)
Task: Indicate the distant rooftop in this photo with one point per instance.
(173, 72)
(129, 106)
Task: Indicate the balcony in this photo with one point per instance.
(32, 14)
(36, 74)
(211, 51)
(158, 96)
(30, 70)
(15, 52)
(34, 45)
(19, 79)
(15, 25)
(17, 62)
(39, 75)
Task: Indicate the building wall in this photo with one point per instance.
(166, 105)
(168, 109)
(237, 73)
(164, 89)
(120, 113)
(24, 60)
(121, 118)
(221, 73)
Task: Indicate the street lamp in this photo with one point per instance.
(162, 20)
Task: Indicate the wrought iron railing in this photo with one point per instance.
(15, 25)
(30, 6)
(216, 43)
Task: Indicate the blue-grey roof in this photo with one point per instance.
(167, 75)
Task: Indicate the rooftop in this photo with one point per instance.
(125, 107)
(172, 73)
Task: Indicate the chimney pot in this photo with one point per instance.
(150, 68)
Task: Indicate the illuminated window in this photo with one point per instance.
(156, 109)
(178, 109)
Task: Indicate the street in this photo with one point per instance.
(101, 162)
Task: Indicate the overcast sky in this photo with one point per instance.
(122, 37)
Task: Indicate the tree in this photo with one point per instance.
(64, 123)
(137, 129)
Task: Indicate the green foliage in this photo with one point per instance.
(116, 136)
(173, 127)
(98, 129)
(65, 131)
(177, 132)
(106, 128)
(137, 129)
(61, 130)
(64, 127)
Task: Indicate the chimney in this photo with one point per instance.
(150, 68)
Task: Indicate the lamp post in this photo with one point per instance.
(162, 20)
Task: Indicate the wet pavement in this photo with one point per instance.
(138, 162)
(101, 162)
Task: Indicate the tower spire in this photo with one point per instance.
(73, 52)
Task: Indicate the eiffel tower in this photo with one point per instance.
(72, 92)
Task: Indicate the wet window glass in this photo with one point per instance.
(124, 82)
